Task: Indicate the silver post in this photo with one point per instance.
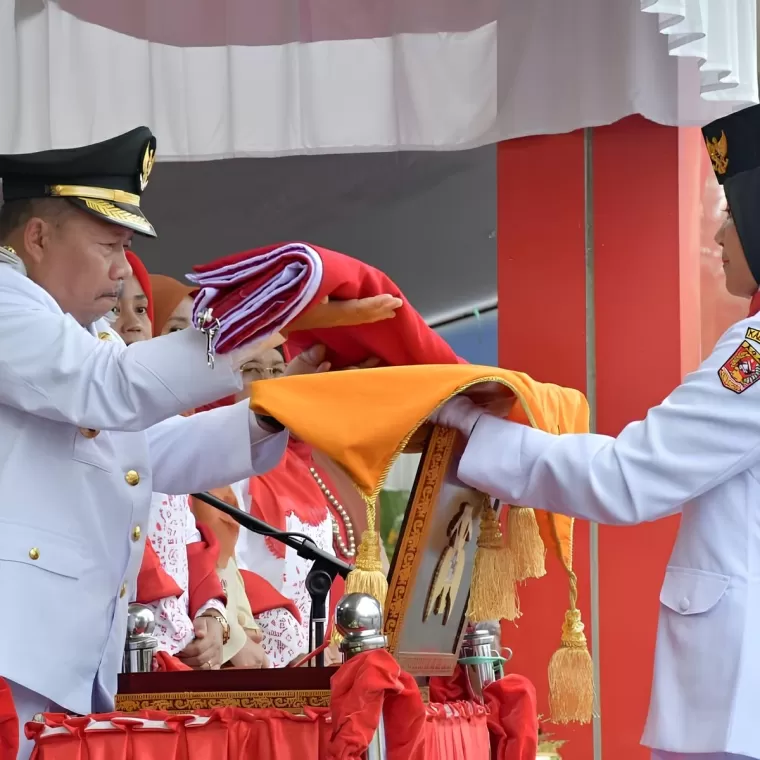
(478, 643)
(359, 620)
(140, 647)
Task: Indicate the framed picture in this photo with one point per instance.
(431, 568)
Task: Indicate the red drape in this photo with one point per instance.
(512, 718)
(455, 688)
(8, 722)
(368, 686)
(453, 730)
(456, 731)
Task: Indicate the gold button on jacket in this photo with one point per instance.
(34, 553)
(132, 477)
(122, 590)
(136, 533)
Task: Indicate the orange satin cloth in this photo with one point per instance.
(362, 418)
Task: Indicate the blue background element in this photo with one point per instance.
(474, 338)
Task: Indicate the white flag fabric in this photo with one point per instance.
(283, 77)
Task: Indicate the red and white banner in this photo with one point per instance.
(282, 77)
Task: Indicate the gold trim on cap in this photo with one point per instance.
(101, 193)
(119, 215)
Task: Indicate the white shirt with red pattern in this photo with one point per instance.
(172, 528)
(284, 639)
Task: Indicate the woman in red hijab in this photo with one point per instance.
(133, 313)
(177, 578)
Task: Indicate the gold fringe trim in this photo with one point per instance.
(571, 672)
(493, 591)
(524, 544)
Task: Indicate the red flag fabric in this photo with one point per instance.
(257, 293)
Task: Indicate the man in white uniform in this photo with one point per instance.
(87, 426)
(698, 453)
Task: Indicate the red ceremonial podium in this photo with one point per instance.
(278, 714)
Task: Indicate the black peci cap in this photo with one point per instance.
(733, 144)
(105, 179)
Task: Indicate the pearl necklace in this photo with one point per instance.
(347, 551)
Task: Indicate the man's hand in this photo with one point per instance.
(251, 656)
(358, 311)
(370, 363)
(309, 362)
(313, 362)
(204, 652)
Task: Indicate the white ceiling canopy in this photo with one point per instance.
(259, 78)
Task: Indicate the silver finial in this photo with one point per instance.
(359, 619)
(141, 646)
(140, 620)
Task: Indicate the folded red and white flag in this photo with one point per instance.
(284, 287)
(256, 293)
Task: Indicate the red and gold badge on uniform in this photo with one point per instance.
(742, 369)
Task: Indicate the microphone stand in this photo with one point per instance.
(325, 566)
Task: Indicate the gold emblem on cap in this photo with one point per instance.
(148, 160)
(717, 147)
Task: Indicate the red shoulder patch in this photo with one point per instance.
(742, 370)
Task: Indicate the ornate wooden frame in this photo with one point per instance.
(405, 565)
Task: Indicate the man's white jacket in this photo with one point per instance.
(74, 504)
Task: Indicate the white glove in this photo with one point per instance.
(459, 413)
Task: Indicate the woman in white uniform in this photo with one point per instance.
(698, 454)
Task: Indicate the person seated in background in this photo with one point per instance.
(177, 579)
(172, 304)
(308, 494)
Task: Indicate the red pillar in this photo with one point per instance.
(641, 198)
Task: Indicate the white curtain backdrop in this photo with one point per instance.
(220, 79)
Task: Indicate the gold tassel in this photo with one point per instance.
(493, 591)
(571, 672)
(368, 577)
(524, 544)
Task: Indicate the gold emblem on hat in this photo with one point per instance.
(147, 167)
(717, 147)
